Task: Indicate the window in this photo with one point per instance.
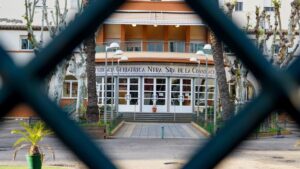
(250, 92)
(109, 92)
(70, 87)
(196, 46)
(133, 46)
(155, 46)
(239, 6)
(269, 9)
(268, 6)
(176, 46)
(200, 92)
(25, 43)
(232, 90)
(276, 48)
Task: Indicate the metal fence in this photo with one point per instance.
(280, 88)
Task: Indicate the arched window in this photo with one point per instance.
(70, 87)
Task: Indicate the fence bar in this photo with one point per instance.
(236, 39)
(33, 93)
(233, 132)
(226, 30)
(280, 87)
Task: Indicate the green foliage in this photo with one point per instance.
(97, 124)
(108, 108)
(33, 134)
(209, 127)
(83, 108)
(30, 136)
(82, 112)
(276, 3)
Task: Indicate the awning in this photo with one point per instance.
(154, 18)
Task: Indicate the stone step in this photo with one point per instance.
(158, 117)
(293, 127)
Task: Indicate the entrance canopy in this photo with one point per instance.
(154, 18)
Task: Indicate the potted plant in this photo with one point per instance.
(31, 136)
(154, 108)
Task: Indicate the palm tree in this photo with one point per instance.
(89, 48)
(31, 136)
(217, 50)
(226, 103)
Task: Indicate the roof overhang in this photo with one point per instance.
(154, 18)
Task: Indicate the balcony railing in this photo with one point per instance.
(155, 46)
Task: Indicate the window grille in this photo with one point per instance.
(25, 43)
(239, 6)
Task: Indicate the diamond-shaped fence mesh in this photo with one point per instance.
(280, 89)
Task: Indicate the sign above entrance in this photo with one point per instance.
(157, 70)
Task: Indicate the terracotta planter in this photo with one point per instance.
(154, 109)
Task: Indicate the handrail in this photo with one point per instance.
(155, 46)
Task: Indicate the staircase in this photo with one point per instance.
(158, 117)
(293, 127)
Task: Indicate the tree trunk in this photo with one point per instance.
(57, 81)
(89, 48)
(80, 97)
(227, 105)
(92, 107)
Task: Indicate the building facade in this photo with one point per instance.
(158, 38)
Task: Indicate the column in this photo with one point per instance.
(166, 38)
(187, 38)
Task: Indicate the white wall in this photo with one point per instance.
(15, 9)
(11, 41)
(240, 17)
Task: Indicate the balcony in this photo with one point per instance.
(156, 46)
(156, 51)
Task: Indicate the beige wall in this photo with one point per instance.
(198, 33)
(112, 31)
(155, 33)
(149, 32)
(133, 32)
(177, 33)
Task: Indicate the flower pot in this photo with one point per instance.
(34, 161)
(154, 109)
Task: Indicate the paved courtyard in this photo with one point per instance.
(156, 130)
(168, 153)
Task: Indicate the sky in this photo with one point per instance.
(15, 9)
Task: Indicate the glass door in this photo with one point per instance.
(181, 95)
(129, 95)
(110, 88)
(154, 94)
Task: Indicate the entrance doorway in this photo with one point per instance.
(154, 93)
(129, 95)
(181, 95)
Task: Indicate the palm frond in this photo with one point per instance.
(19, 148)
(20, 140)
(31, 134)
